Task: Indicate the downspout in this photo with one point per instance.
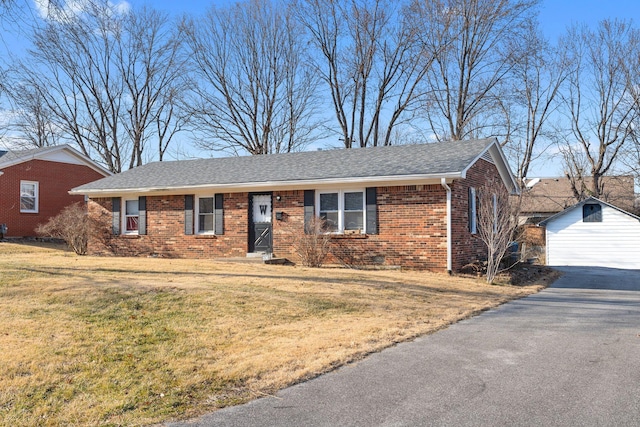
(443, 182)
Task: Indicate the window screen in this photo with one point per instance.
(205, 215)
(329, 210)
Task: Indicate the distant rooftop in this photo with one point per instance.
(547, 196)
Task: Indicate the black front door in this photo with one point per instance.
(260, 228)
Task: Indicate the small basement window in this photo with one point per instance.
(592, 212)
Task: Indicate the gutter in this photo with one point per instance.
(443, 182)
(268, 185)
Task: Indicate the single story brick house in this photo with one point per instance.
(35, 184)
(409, 205)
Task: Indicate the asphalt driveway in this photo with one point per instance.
(567, 356)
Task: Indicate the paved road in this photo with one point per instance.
(567, 356)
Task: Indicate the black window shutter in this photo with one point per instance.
(142, 215)
(372, 211)
(309, 202)
(219, 214)
(115, 217)
(188, 215)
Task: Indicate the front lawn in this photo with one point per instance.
(131, 341)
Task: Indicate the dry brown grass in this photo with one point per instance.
(130, 341)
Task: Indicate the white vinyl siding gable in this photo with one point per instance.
(614, 242)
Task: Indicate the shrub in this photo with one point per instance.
(72, 225)
(313, 246)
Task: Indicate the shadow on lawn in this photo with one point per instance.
(410, 287)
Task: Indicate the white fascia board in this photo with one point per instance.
(65, 147)
(277, 185)
(33, 156)
(582, 203)
(90, 163)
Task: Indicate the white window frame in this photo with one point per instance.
(197, 214)
(341, 210)
(36, 191)
(125, 216)
(473, 220)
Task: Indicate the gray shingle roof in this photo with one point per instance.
(9, 156)
(444, 158)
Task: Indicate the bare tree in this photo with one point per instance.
(497, 224)
(467, 84)
(538, 79)
(253, 92)
(600, 100)
(32, 122)
(71, 65)
(368, 55)
(152, 63)
(107, 78)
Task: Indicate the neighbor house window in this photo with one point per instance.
(206, 215)
(473, 214)
(131, 216)
(591, 212)
(342, 210)
(28, 196)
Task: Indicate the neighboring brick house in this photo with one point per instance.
(396, 206)
(35, 184)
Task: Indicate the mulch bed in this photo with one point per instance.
(520, 274)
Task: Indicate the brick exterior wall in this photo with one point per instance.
(467, 247)
(411, 230)
(166, 232)
(54, 179)
(412, 227)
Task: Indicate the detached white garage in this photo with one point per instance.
(593, 233)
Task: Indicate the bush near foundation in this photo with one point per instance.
(72, 225)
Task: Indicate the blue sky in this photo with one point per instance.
(555, 15)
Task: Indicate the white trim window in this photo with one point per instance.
(29, 196)
(343, 210)
(131, 217)
(205, 214)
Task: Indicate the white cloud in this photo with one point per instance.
(61, 11)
